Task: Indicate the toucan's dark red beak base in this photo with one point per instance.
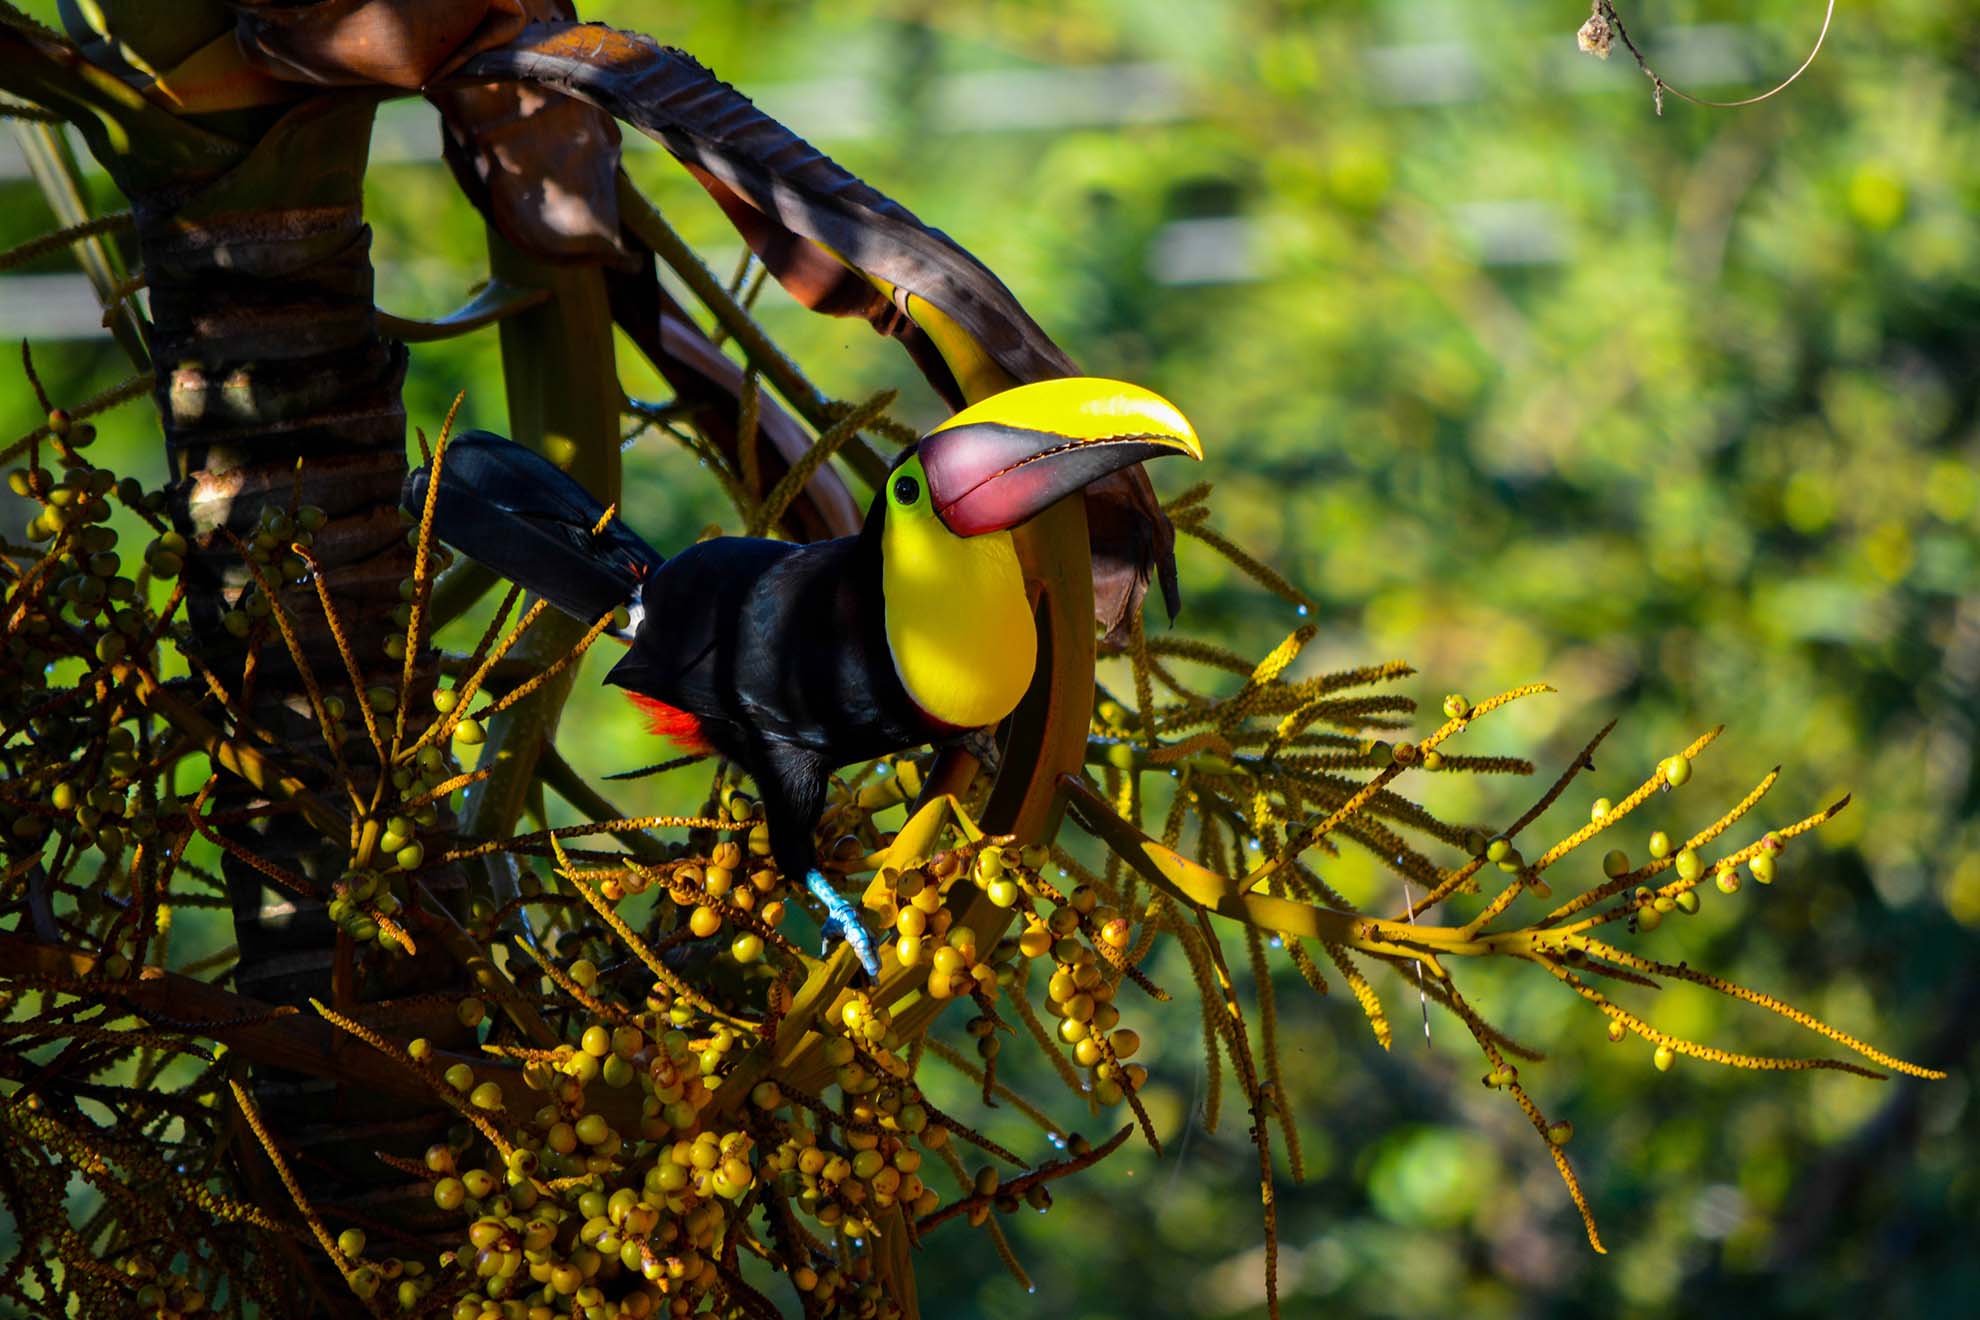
(989, 477)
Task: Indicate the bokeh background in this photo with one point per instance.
(1519, 381)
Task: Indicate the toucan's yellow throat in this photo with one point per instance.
(959, 621)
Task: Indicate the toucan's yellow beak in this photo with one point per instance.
(1015, 454)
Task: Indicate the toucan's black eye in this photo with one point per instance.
(906, 490)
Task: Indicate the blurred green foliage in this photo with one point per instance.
(1519, 381)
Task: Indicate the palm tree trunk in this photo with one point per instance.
(275, 389)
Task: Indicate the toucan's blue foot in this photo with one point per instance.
(842, 922)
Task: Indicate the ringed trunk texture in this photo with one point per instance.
(275, 388)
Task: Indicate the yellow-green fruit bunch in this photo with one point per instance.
(718, 899)
(922, 899)
(872, 1166)
(1080, 992)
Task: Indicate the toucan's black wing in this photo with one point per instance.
(508, 507)
(785, 641)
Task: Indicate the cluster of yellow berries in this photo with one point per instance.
(80, 601)
(709, 891)
(878, 1167)
(1648, 907)
(163, 1295)
(589, 1215)
(1080, 993)
(274, 546)
(925, 920)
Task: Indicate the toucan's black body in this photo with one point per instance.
(785, 657)
(778, 651)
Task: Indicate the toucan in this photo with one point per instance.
(793, 660)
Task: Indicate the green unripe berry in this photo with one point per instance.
(1728, 880)
(469, 733)
(1676, 770)
(1660, 845)
(1687, 902)
(445, 699)
(1456, 707)
(1689, 865)
(1560, 1133)
(1664, 1058)
(746, 947)
(1615, 863)
(1762, 867)
(381, 699)
(486, 1096)
(459, 1076)
(1497, 849)
(351, 1242)
(410, 857)
(1599, 811)
(449, 1193)
(1617, 1031)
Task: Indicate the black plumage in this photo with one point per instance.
(778, 651)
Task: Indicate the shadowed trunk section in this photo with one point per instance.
(275, 389)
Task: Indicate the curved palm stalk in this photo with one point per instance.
(563, 396)
(711, 387)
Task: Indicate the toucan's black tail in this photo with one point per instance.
(509, 508)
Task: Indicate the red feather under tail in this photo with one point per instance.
(677, 726)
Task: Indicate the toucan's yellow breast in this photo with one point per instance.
(958, 620)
